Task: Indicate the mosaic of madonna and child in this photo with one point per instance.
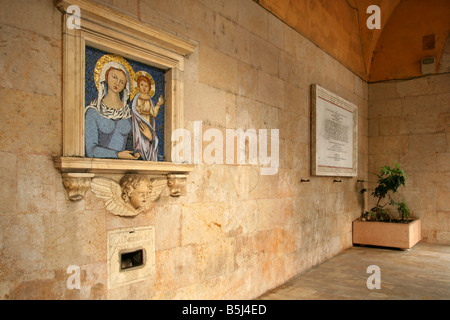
(124, 115)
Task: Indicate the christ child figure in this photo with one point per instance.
(144, 113)
(144, 103)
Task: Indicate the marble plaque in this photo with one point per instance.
(334, 134)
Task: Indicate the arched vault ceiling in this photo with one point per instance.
(410, 31)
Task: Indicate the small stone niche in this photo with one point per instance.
(131, 256)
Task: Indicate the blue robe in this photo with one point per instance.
(105, 137)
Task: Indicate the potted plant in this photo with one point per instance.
(378, 226)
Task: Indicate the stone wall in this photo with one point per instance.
(410, 125)
(236, 233)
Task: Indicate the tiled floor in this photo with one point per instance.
(420, 273)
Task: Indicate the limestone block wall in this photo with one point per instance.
(236, 233)
(409, 124)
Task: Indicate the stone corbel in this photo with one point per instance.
(176, 184)
(76, 184)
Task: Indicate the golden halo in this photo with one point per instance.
(109, 58)
(136, 89)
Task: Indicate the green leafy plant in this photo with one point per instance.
(389, 180)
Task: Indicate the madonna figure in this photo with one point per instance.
(108, 118)
(144, 113)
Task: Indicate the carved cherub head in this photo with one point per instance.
(136, 190)
(134, 194)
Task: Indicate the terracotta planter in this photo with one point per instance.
(387, 234)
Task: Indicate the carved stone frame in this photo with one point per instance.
(105, 29)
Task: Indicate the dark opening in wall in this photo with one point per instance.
(132, 259)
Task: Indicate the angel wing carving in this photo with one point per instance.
(158, 185)
(111, 192)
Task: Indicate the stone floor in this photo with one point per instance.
(421, 273)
